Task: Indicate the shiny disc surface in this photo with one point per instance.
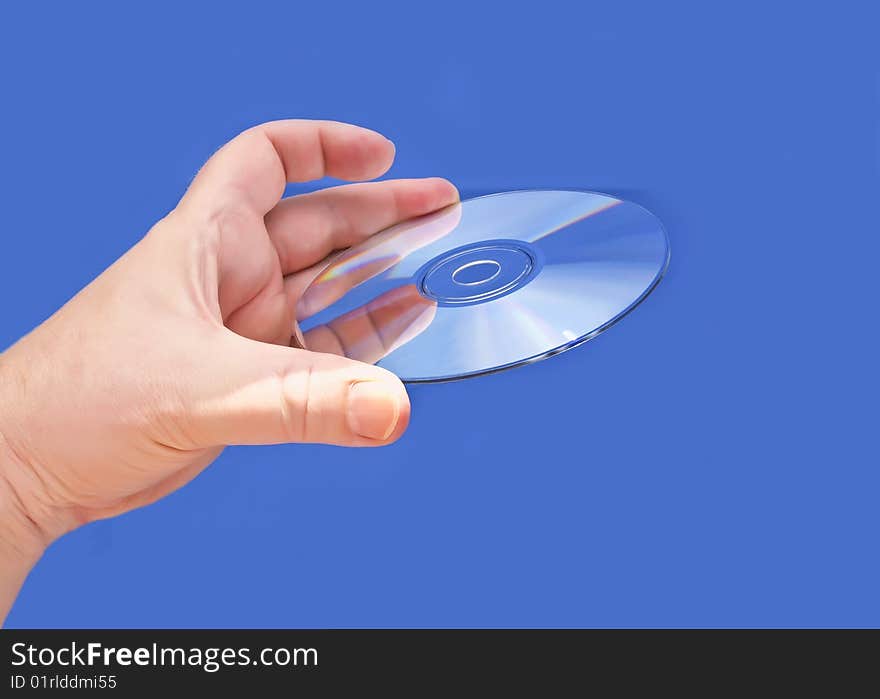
(487, 284)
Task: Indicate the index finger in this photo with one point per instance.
(251, 171)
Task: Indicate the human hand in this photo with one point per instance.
(189, 341)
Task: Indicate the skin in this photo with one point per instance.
(188, 343)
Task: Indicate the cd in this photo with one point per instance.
(486, 284)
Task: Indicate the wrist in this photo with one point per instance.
(21, 534)
(22, 539)
(25, 529)
(28, 521)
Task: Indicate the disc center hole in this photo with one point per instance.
(476, 272)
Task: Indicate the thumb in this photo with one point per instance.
(257, 393)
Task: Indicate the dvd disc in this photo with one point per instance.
(486, 284)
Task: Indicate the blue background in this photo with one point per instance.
(711, 460)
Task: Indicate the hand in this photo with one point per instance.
(189, 341)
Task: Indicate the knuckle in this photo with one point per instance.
(296, 408)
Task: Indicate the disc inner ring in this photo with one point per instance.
(478, 272)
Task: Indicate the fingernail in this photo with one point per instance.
(373, 410)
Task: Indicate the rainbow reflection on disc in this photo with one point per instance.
(487, 284)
